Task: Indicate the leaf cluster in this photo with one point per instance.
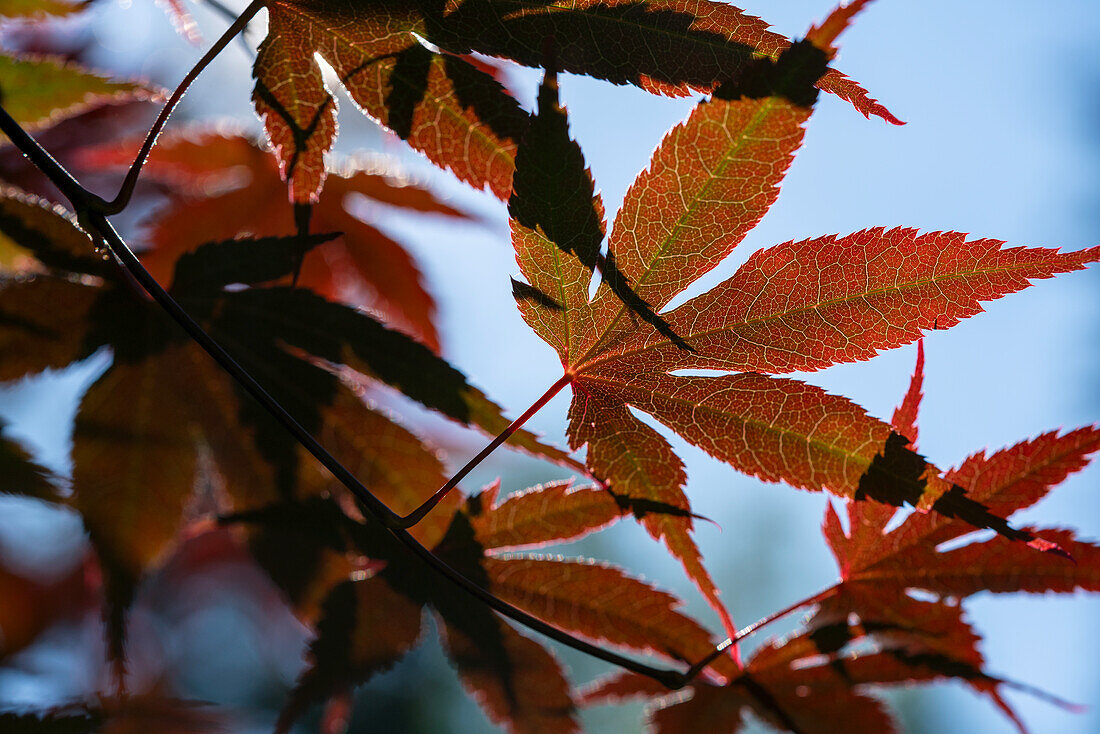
(264, 355)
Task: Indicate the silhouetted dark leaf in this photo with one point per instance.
(21, 476)
(249, 262)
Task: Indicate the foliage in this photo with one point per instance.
(252, 401)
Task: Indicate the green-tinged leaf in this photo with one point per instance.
(39, 8)
(557, 224)
(720, 167)
(557, 231)
(298, 111)
(39, 91)
(710, 181)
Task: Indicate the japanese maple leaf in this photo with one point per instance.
(458, 116)
(879, 569)
(869, 629)
(795, 306)
(221, 186)
(807, 700)
(40, 90)
(137, 430)
(879, 565)
(793, 686)
(369, 624)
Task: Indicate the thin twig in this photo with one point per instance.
(116, 205)
(231, 15)
(418, 514)
(755, 626)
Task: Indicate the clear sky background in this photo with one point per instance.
(1002, 105)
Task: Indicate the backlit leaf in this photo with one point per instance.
(811, 700)
(791, 307)
(139, 427)
(458, 116)
(340, 334)
(551, 513)
(602, 603)
(810, 304)
(664, 46)
(1004, 482)
(904, 420)
(46, 232)
(518, 682)
(533, 698)
(927, 639)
